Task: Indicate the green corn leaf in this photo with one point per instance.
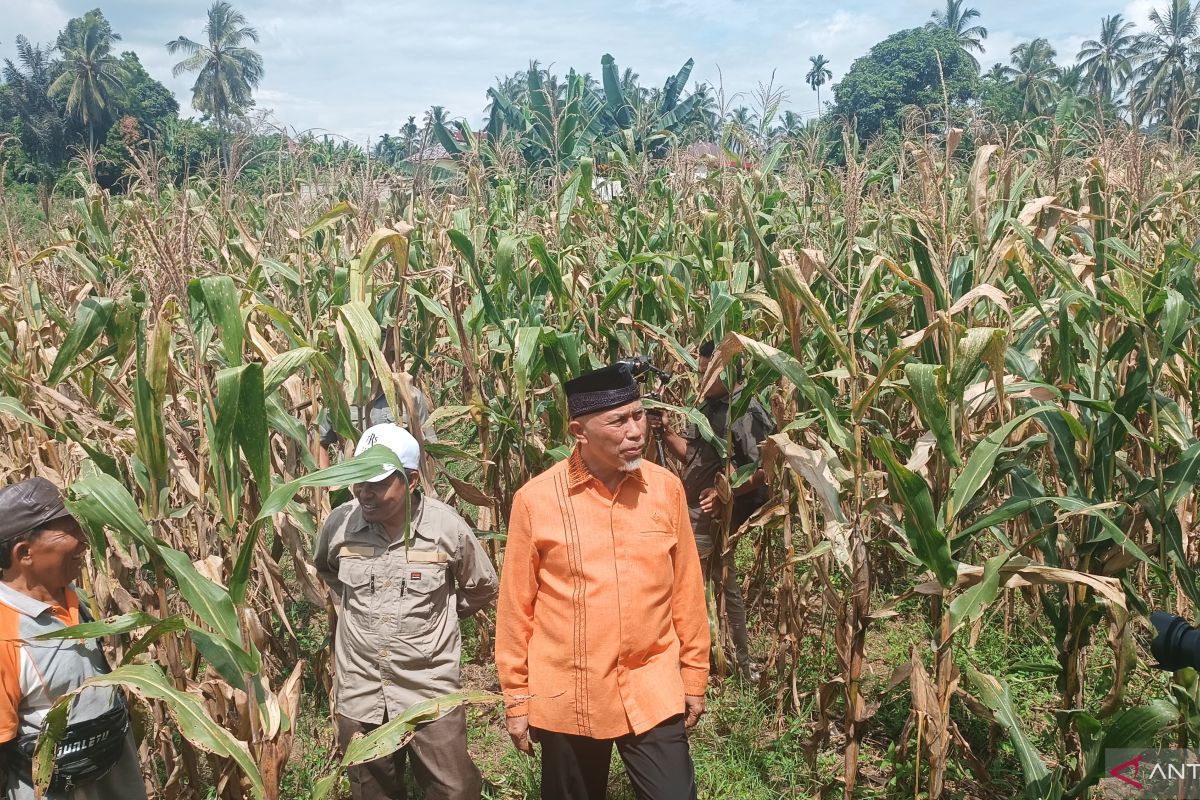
(250, 425)
(1101, 512)
(230, 661)
(352, 470)
(99, 501)
(360, 267)
(993, 693)
(395, 733)
(330, 217)
(527, 347)
(789, 368)
(791, 280)
(1137, 727)
(67, 251)
(925, 382)
(91, 318)
(220, 304)
(239, 579)
(285, 365)
(974, 601)
(980, 345)
(108, 627)
(979, 464)
(360, 335)
(1174, 321)
(909, 489)
(149, 395)
(566, 205)
(161, 628)
(148, 682)
(15, 409)
(208, 601)
(696, 417)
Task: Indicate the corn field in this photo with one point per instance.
(980, 355)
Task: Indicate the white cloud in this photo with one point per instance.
(37, 20)
(1138, 12)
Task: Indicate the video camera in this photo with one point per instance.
(1176, 644)
(640, 366)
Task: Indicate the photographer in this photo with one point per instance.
(379, 411)
(701, 467)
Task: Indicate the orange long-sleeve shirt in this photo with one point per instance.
(601, 626)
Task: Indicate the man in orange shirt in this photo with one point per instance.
(41, 556)
(601, 626)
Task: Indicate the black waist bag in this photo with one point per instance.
(87, 751)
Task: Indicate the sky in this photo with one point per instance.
(359, 68)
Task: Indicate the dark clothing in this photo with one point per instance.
(734, 632)
(438, 750)
(658, 763)
(701, 468)
(702, 464)
(379, 412)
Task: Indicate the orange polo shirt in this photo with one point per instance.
(601, 626)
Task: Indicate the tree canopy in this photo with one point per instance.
(906, 69)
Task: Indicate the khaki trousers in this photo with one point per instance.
(440, 761)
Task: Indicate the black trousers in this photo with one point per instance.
(658, 763)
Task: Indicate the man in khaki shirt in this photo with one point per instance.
(404, 569)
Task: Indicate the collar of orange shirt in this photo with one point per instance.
(578, 473)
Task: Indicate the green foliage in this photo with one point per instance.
(922, 67)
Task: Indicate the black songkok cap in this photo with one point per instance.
(27, 506)
(609, 387)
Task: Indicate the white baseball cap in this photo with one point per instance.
(396, 439)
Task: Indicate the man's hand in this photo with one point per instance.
(518, 731)
(710, 501)
(655, 419)
(694, 710)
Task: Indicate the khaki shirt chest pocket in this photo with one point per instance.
(425, 598)
(357, 576)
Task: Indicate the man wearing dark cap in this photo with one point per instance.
(601, 627)
(702, 466)
(42, 549)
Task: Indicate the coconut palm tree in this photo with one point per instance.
(229, 70)
(998, 73)
(957, 20)
(790, 125)
(92, 77)
(1108, 61)
(408, 133)
(705, 112)
(1035, 75)
(817, 76)
(1167, 77)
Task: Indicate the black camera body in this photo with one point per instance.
(1176, 644)
(641, 366)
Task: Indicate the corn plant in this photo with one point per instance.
(980, 359)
